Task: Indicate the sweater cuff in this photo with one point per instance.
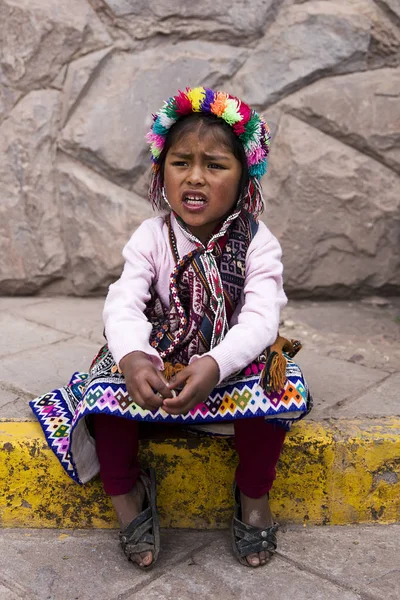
(227, 362)
(224, 372)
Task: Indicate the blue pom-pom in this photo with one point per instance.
(208, 99)
(258, 170)
(159, 128)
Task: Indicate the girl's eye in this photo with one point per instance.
(215, 166)
(179, 163)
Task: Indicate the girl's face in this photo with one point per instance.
(201, 179)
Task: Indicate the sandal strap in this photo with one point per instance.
(142, 533)
(139, 523)
(250, 539)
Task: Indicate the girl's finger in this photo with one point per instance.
(172, 410)
(186, 397)
(149, 399)
(158, 384)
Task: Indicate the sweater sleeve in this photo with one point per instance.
(258, 320)
(126, 326)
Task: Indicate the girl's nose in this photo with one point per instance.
(195, 175)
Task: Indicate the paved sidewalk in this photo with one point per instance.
(44, 340)
(317, 563)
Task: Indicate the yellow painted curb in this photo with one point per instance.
(333, 472)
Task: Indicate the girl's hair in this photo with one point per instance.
(222, 133)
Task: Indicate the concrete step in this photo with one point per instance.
(331, 472)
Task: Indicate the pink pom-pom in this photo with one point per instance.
(258, 155)
(156, 139)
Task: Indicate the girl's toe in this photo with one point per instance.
(253, 560)
(146, 558)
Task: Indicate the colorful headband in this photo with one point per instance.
(249, 127)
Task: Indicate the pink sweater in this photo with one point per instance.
(149, 261)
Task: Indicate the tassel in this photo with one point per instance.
(171, 370)
(277, 372)
(273, 376)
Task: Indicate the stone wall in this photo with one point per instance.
(80, 79)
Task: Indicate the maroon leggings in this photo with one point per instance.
(257, 442)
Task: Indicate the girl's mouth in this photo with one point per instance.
(194, 201)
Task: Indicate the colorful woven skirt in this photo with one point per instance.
(62, 413)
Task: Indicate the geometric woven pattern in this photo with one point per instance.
(103, 391)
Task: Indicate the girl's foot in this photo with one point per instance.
(128, 506)
(256, 512)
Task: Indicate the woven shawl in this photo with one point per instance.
(187, 326)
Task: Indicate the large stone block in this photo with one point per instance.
(8, 99)
(31, 250)
(98, 219)
(206, 18)
(311, 40)
(105, 65)
(336, 213)
(393, 5)
(79, 76)
(37, 37)
(362, 109)
(108, 126)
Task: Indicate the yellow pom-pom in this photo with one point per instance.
(196, 97)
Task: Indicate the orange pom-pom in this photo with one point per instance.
(220, 103)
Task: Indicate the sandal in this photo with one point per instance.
(143, 533)
(247, 539)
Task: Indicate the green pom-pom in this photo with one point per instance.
(170, 110)
(252, 130)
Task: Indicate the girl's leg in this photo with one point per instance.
(117, 446)
(258, 444)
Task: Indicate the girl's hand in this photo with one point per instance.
(142, 378)
(199, 379)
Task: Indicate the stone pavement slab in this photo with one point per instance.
(43, 369)
(215, 571)
(18, 335)
(9, 303)
(14, 402)
(84, 565)
(382, 398)
(365, 332)
(315, 563)
(333, 382)
(365, 559)
(80, 317)
(7, 594)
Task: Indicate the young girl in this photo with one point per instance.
(191, 326)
